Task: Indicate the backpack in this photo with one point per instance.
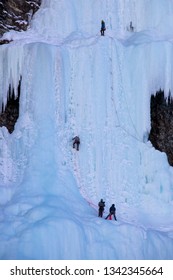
(112, 209)
(102, 204)
(76, 139)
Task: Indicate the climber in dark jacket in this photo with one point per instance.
(77, 142)
(103, 28)
(101, 205)
(112, 211)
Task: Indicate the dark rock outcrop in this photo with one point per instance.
(10, 113)
(161, 134)
(2, 42)
(16, 14)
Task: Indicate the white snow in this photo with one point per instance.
(75, 82)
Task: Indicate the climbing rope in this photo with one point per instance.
(112, 98)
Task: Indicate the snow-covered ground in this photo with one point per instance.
(76, 82)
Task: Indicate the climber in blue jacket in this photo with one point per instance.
(103, 28)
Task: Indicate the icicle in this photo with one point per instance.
(11, 61)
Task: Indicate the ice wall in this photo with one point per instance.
(68, 17)
(76, 82)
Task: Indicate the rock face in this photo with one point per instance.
(10, 113)
(9, 117)
(161, 134)
(16, 14)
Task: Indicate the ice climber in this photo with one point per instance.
(101, 205)
(112, 211)
(103, 28)
(76, 142)
(131, 27)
